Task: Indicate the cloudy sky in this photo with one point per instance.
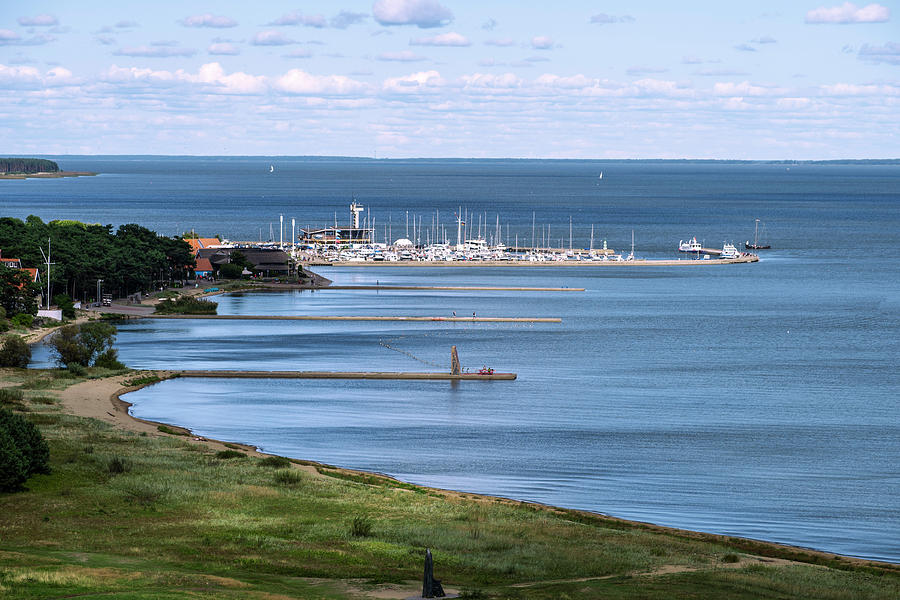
(767, 79)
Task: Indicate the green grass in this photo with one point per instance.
(158, 516)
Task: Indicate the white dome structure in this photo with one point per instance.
(403, 242)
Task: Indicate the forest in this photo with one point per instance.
(27, 166)
(130, 259)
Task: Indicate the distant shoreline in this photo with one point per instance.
(56, 175)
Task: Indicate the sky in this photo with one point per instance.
(785, 79)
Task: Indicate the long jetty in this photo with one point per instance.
(347, 375)
(460, 288)
(362, 318)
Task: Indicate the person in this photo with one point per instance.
(473, 314)
(454, 313)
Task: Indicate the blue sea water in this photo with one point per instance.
(755, 400)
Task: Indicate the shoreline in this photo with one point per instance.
(92, 394)
(57, 175)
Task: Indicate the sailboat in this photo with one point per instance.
(756, 245)
(271, 168)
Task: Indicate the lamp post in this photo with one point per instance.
(99, 281)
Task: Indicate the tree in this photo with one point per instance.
(230, 271)
(23, 451)
(65, 304)
(17, 292)
(14, 352)
(83, 344)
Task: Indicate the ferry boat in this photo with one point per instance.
(729, 251)
(692, 245)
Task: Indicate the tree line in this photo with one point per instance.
(27, 165)
(129, 259)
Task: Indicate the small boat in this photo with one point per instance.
(692, 245)
(271, 168)
(756, 245)
(729, 251)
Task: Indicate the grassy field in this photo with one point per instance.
(161, 515)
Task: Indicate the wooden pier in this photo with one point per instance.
(363, 318)
(347, 375)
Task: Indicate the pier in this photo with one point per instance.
(406, 375)
(362, 318)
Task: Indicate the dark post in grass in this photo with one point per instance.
(431, 587)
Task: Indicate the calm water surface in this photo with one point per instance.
(755, 400)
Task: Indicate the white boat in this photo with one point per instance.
(729, 251)
(692, 245)
(271, 168)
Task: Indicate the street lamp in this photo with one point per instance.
(99, 281)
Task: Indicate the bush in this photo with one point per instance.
(361, 526)
(187, 305)
(118, 465)
(9, 397)
(23, 451)
(2, 312)
(109, 360)
(76, 370)
(230, 271)
(65, 304)
(12, 464)
(82, 344)
(4, 324)
(275, 462)
(22, 321)
(289, 478)
(226, 454)
(14, 352)
(731, 558)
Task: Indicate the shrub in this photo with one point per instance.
(2, 312)
(82, 344)
(23, 451)
(118, 465)
(731, 558)
(169, 430)
(226, 454)
(8, 396)
(289, 478)
(22, 321)
(275, 462)
(12, 464)
(65, 304)
(109, 360)
(361, 526)
(187, 305)
(230, 271)
(76, 369)
(14, 352)
(4, 325)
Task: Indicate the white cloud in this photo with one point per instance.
(889, 53)
(487, 81)
(271, 37)
(414, 83)
(345, 18)
(237, 83)
(851, 89)
(224, 48)
(605, 19)
(542, 42)
(32, 78)
(208, 20)
(849, 13)
(402, 56)
(155, 51)
(298, 18)
(422, 13)
(38, 21)
(444, 39)
(11, 38)
(301, 83)
(744, 88)
(721, 73)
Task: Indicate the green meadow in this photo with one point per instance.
(160, 515)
